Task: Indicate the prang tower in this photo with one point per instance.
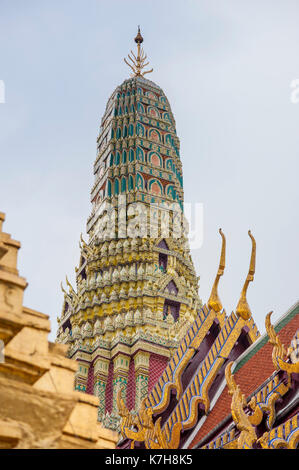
(136, 294)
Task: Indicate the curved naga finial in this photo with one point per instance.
(62, 288)
(138, 63)
(84, 246)
(69, 284)
(214, 301)
(243, 309)
(278, 347)
(72, 293)
(279, 353)
(247, 435)
(141, 428)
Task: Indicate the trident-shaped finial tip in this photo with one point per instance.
(138, 62)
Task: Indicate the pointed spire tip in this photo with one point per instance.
(139, 38)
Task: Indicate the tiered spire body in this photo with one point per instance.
(136, 289)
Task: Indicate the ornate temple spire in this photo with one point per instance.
(133, 287)
(138, 63)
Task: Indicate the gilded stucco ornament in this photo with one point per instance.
(285, 436)
(256, 417)
(85, 248)
(243, 309)
(141, 428)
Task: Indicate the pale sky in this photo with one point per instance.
(226, 67)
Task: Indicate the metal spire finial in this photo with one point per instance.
(138, 63)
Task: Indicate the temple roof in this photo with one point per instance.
(251, 370)
(200, 399)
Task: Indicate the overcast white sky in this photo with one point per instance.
(226, 67)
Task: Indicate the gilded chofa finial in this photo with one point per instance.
(247, 436)
(62, 288)
(280, 357)
(214, 301)
(138, 63)
(243, 309)
(278, 349)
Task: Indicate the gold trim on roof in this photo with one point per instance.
(138, 63)
(285, 436)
